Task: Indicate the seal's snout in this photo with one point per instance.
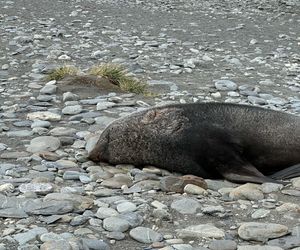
(100, 149)
(94, 155)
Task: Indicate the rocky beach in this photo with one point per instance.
(53, 197)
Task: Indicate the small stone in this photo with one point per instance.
(258, 247)
(94, 244)
(172, 184)
(115, 224)
(105, 105)
(72, 110)
(57, 244)
(48, 89)
(43, 143)
(193, 189)
(44, 115)
(270, 187)
(69, 96)
(31, 234)
(145, 235)
(126, 207)
(222, 245)
(288, 207)
(287, 242)
(261, 231)
(226, 85)
(247, 191)
(185, 206)
(200, 231)
(62, 131)
(296, 182)
(260, 213)
(42, 124)
(105, 212)
(39, 188)
(115, 235)
(117, 181)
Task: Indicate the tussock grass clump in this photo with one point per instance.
(62, 72)
(118, 75)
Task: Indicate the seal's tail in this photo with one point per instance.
(290, 172)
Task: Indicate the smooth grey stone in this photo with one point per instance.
(134, 219)
(256, 100)
(19, 133)
(22, 124)
(260, 213)
(80, 203)
(222, 245)
(291, 192)
(25, 247)
(50, 236)
(145, 235)
(287, 242)
(42, 124)
(71, 175)
(72, 110)
(39, 188)
(43, 143)
(115, 224)
(31, 234)
(201, 231)
(226, 85)
(69, 96)
(57, 245)
(105, 212)
(62, 131)
(126, 207)
(261, 231)
(215, 185)
(185, 206)
(105, 105)
(93, 244)
(103, 121)
(48, 89)
(258, 247)
(115, 235)
(79, 220)
(85, 115)
(44, 98)
(39, 207)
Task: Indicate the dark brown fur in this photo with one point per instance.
(238, 142)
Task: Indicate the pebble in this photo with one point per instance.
(185, 206)
(193, 189)
(126, 207)
(261, 231)
(222, 245)
(226, 85)
(145, 235)
(115, 224)
(200, 231)
(247, 191)
(43, 143)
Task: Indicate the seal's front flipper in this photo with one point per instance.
(287, 173)
(244, 173)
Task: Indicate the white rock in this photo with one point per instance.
(201, 231)
(261, 231)
(44, 115)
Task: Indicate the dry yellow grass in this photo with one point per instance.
(62, 72)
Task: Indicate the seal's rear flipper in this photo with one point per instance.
(287, 173)
(245, 173)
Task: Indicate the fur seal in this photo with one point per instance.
(240, 143)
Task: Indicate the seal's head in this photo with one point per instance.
(138, 137)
